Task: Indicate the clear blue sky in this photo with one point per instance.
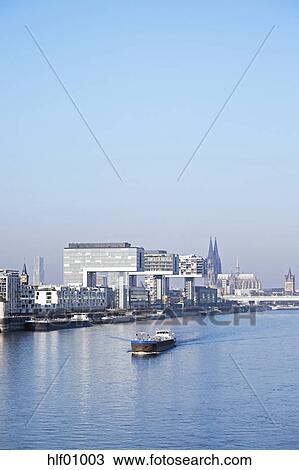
(150, 76)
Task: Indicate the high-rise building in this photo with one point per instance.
(10, 290)
(27, 298)
(38, 271)
(160, 263)
(191, 267)
(289, 283)
(114, 262)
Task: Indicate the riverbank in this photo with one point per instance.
(18, 322)
(9, 324)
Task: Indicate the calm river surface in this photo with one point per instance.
(222, 387)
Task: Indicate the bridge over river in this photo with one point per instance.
(264, 299)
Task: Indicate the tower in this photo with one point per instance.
(24, 276)
(38, 271)
(217, 260)
(213, 264)
(238, 269)
(289, 284)
(210, 266)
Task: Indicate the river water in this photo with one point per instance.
(224, 386)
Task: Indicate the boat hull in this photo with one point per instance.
(150, 346)
(51, 326)
(107, 320)
(124, 319)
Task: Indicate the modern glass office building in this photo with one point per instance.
(159, 263)
(38, 271)
(115, 262)
(160, 260)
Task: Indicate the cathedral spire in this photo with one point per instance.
(213, 264)
(289, 275)
(211, 250)
(215, 248)
(217, 259)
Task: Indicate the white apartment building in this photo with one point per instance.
(27, 299)
(10, 289)
(65, 297)
(191, 264)
(2, 308)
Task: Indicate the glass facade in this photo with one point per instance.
(38, 271)
(78, 260)
(114, 262)
(160, 260)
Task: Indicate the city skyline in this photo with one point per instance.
(211, 252)
(150, 80)
(120, 276)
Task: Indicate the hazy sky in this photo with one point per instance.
(150, 76)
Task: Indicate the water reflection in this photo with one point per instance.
(191, 396)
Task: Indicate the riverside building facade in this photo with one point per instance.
(10, 290)
(2, 308)
(64, 298)
(191, 264)
(205, 296)
(115, 263)
(158, 264)
(20, 298)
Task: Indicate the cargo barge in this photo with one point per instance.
(143, 343)
(46, 324)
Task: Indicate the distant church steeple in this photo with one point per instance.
(211, 250)
(24, 276)
(238, 269)
(217, 258)
(213, 264)
(289, 283)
